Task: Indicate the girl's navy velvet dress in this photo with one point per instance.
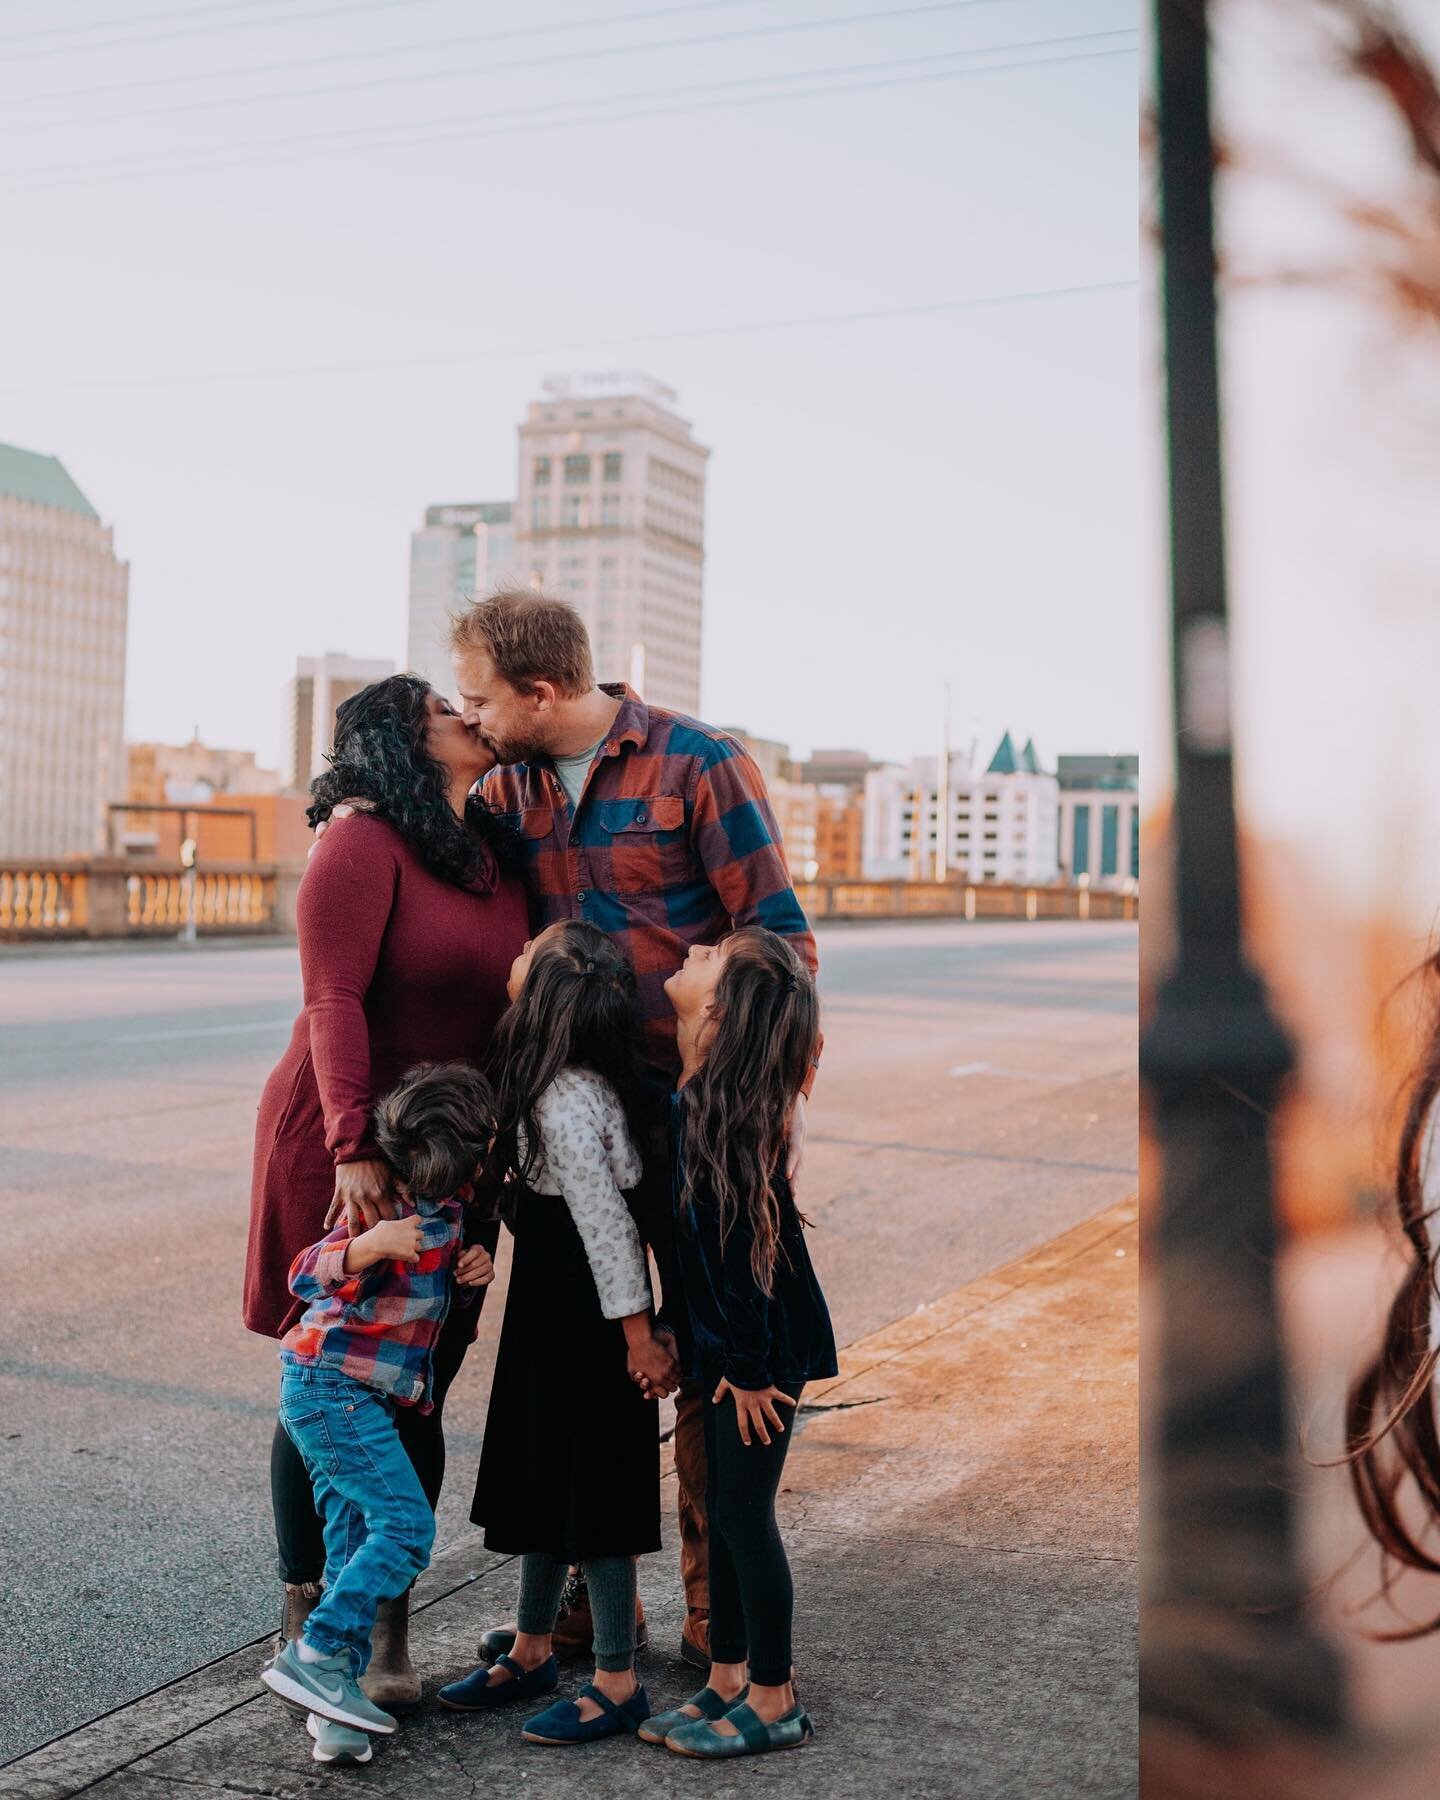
(725, 1324)
(571, 1458)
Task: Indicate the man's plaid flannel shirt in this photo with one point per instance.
(673, 843)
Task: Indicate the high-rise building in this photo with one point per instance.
(610, 516)
(64, 596)
(319, 686)
(459, 552)
(1099, 823)
(999, 826)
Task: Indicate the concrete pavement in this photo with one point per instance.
(977, 1098)
(960, 1507)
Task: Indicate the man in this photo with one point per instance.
(656, 828)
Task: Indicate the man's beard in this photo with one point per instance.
(512, 751)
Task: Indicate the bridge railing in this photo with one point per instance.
(116, 897)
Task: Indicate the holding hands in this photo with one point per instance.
(650, 1360)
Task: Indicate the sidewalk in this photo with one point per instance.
(960, 1510)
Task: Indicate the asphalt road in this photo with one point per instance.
(978, 1096)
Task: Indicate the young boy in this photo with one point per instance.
(375, 1305)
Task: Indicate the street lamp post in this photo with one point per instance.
(1227, 1644)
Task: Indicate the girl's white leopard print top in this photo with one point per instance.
(586, 1155)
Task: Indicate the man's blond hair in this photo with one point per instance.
(529, 637)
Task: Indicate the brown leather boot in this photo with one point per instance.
(574, 1628)
(300, 1601)
(390, 1679)
(695, 1639)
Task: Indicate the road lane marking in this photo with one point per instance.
(194, 1031)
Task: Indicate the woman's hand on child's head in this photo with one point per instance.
(364, 1192)
(475, 1267)
(755, 1410)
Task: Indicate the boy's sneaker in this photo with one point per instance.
(337, 1743)
(326, 1687)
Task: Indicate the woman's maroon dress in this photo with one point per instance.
(399, 967)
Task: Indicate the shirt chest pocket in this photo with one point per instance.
(644, 843)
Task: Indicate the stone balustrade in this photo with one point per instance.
(119, 897)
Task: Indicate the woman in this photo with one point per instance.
(409, 916)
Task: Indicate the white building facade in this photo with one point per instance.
(996, 826)
(319, 686)
(460, 552)
(64, 602)
(1099, 820)
(610, 516)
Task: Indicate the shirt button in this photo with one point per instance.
(640, 816)
(581, 895)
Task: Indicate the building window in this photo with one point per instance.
(1080, 859)
(577, 470)
(612, 465)
(540, 514)
(541, 474)
(610, 509)
(1109, 840)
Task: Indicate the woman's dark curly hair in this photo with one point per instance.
(381, 757)
(576, 1009)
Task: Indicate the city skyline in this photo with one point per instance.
(902, 316)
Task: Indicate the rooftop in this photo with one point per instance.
(24, 475)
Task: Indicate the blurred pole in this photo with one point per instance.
(1226, 1644)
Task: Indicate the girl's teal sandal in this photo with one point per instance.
(752, 1736)
(656, 1730)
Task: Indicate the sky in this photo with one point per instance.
(1331, 412)
(280, 275)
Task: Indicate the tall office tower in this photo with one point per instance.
(611, 517)
(64, 596)
(319, 686)
(457, 554)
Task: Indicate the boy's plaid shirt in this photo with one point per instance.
(378, 1327)
(673, 844)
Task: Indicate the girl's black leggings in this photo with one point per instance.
(752, 1599)
(299, 1535)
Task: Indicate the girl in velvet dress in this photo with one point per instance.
(410, 915)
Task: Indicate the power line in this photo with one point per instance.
(350, 56)
(79, 27)
(77, 175)
(165, 37)
(437, 130)
(466, 71)
(970, 303)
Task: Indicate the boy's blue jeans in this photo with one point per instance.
(379, 1528)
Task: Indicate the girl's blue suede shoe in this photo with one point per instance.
(655, 1730)
(474, 1692)
(562, 1724)
(698, 1737)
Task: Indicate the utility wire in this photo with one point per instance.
(970, 303)
(437, 130)
(348, 56)
(79, 27)
(77, 175)
(467, 71)
(166, 37)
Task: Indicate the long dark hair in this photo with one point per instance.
(576, 1009)
(1390, 1421)
(381, 756)
(760, 1040)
